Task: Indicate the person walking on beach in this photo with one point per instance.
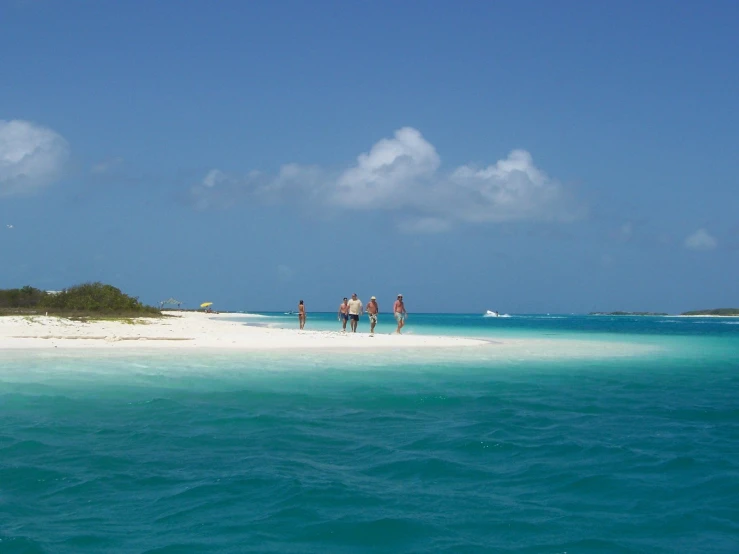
(372, 310)
(344, 313)
(355, 310)
(301, 314)
(400, 313)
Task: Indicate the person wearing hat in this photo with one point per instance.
(400, 313)
(372, 310)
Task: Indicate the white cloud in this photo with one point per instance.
(403, 173)
(513, 189)
(292, 181)
(31, 156)
(389, 174)
(213, 190)
(220, 189)
(214, 177)
(701, 240)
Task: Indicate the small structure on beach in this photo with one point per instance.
(170, 302)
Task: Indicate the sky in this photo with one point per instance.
(524, 157)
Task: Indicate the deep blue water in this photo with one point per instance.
(488, 450)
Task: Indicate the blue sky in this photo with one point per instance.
(522, 157)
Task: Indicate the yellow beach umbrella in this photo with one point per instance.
(206, 304)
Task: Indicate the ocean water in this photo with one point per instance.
(622, 437)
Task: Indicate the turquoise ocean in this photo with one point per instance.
(614, 434)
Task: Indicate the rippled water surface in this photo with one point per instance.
(387, 452)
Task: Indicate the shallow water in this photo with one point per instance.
(463, 450)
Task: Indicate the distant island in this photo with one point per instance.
(716, 311)
(626, 313)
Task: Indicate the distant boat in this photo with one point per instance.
(491, 313)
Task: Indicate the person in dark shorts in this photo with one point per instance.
(344, 313)
(355, 310)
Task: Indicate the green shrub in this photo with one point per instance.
(26, 297)
(717, 311)
(94, 297)
(88, 297)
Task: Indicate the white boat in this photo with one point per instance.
(491, 313)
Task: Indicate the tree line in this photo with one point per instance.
(717, 311)
(88, 297)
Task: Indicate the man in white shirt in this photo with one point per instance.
(356, 308)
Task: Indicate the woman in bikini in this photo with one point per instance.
(301, 314)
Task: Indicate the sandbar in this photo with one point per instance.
(187, 330)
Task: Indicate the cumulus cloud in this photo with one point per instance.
(214, 177)
(219, 189)
(31, 157)
(390, 174)
(214, 190)
(513, 189)
(403, 173)
(701, 240)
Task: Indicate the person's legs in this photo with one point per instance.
(344, 319)
(399, 319)
(355, 320)
(373, 322)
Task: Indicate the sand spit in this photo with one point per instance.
(195, 330)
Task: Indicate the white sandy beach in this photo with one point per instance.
(194, 330)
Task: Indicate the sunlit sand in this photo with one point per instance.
(194, 331)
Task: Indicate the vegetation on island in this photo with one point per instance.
(89, 299)
(627, 313)
(716, 311)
